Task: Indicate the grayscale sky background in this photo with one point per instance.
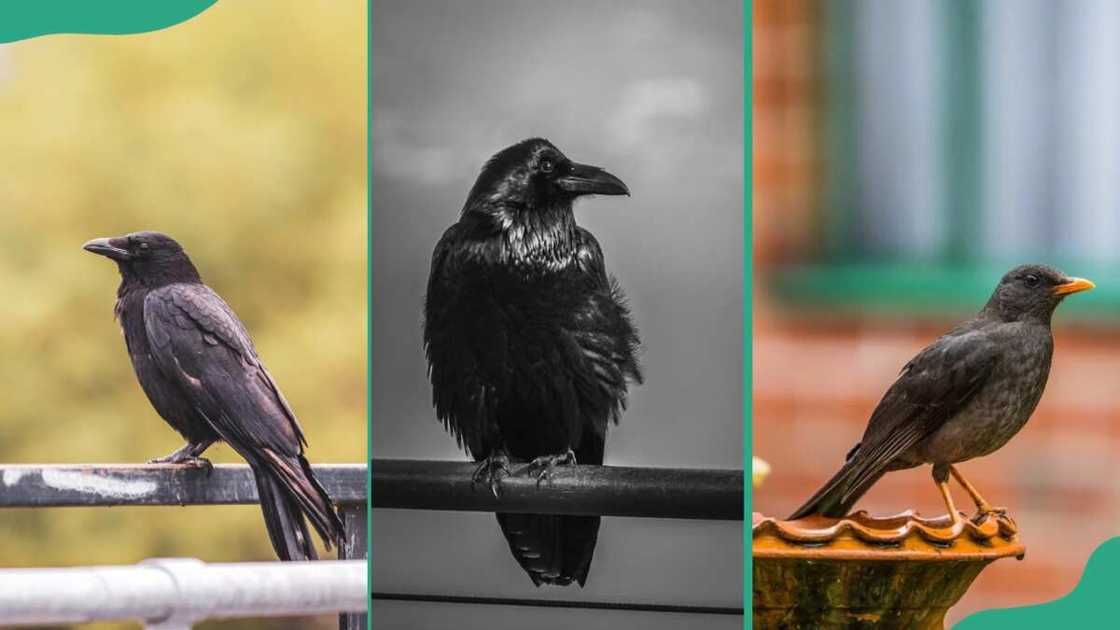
(651, 90)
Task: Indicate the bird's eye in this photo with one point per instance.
(143, 245)
(547, 165)
(1032, 280)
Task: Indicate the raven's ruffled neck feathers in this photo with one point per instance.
(541, 237)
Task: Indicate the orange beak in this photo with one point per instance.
(1073, 285)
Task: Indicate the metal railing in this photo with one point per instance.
(170, 594)
(681, 493)
(176, 593)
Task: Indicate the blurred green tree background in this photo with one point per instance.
(242, 134)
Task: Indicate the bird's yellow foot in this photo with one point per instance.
(543, 466)
(490, 472)
(986, 510)
(983, 508)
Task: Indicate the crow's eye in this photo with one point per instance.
(547, 165)
(1032, 280)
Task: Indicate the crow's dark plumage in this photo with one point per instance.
(195, 362)
(963, 396)
(529, 342)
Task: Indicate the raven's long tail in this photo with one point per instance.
(556, 549)
(289, 491)
(839, 494)
(552, 549)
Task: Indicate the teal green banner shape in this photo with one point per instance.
(21, 19)
(1087, 606)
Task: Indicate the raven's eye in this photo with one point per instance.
(547, 165)
(1032, 280)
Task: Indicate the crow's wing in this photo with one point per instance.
(933, 387)
(200, 345)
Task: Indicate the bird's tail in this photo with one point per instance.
(289, 491)
(552, 549)
(839, 494)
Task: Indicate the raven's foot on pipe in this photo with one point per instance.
(491, 470)
(188, 456)
(197, 462)
(543, 466)
(186, 452)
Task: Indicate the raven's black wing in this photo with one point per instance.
(200, 345)
(465, 348)
(933, 387)
(606, 336)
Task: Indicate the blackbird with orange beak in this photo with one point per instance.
(963, 396)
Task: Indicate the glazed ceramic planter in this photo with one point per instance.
(860, 571)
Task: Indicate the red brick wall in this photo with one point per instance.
(786, 107)
(816, 383)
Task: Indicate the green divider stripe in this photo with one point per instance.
(1090, 605)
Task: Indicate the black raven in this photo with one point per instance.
(198, 367)
(529, 341)
(963, 396)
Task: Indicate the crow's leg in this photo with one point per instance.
(544, 465)
(491, 470)
(188, 456)
(983, 508)
(941, 478)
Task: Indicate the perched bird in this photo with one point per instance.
(529, 342)
(963, 396)
(196, 364)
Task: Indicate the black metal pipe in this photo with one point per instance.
(559, 603)
(66, 485)
(688, 493)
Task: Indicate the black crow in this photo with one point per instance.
(196, 363)
(964, 396)
(529, 341)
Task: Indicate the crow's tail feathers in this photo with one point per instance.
(552, 549)
(289, 491)
(839, 494)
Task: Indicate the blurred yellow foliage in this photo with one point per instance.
(242, 133)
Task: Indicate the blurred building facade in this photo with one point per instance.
(905, 153)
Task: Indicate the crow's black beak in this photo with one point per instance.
(108, 247)
(582, 179)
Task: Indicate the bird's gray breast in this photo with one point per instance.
(1002, 406)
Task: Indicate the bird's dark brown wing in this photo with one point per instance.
(201, 346)
(933, 387)
(199, 343)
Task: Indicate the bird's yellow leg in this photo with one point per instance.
(954, 515)
(982, 506)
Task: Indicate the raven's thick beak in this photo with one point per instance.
(108, 247)
(1073, 285)
(582, 179)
